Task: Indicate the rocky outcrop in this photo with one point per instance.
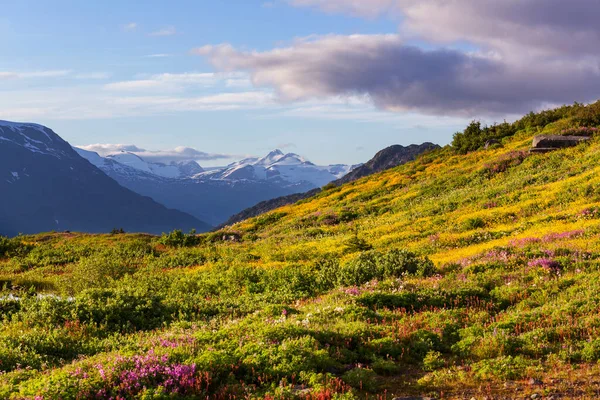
(546, 143)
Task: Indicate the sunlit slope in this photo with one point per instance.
(443, 205)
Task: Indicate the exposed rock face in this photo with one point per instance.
(545, 143)
(387, 158)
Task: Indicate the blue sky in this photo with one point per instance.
(287, 73)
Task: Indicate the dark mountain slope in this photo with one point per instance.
(45, 185)
(387, 158)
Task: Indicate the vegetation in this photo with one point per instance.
(457, 275)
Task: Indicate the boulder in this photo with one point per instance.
(557, 141)
(490, 143)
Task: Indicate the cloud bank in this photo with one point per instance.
(401, 77)
(180, 153)
(484, 57)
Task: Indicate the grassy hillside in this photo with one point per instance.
(469, 272)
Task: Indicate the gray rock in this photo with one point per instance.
(557, 141)
(490, 143)
(535, 382)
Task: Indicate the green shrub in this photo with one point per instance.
(356, 244)
(397, 262)
(177, 238)
(474, 136)
(474, 223)
(361, 379)
(99, 271)
(359, 270)
(433, 361)
(591, 351)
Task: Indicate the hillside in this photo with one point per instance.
(45, 186)
(468, 272)
(385, 159)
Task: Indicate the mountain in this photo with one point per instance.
(46, 185)
(215, 195)
(387, 158)
(286, 169)
(175, 169)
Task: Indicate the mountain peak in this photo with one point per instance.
(35, 138)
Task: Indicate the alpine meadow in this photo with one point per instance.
(470, 272)
(300, 200)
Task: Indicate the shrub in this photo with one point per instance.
(474, 223)
(474, 136)
(503, 163)
(177, 238)
(503, 368)
(591, 351)
(13, 247)
(433, 361)
(362, 379)
(356, 244)
(121, 309)
(98, 271)
(359, 270)
(395, 263)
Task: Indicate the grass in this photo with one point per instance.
(456, 275)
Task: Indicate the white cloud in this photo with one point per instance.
(167, 31)
(93, 75)
(238, 83)
(370, 8)
(180, 153)
(132, 26)
(105, 149)
(34, 74)
(162, 82)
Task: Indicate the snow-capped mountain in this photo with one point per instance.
(279, 167)
(215, 195)
(175, 169)
(45, 185)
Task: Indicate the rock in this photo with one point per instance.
(550, 142)
(535, 382)
(535, 396)
(490, 143)
(232, 237)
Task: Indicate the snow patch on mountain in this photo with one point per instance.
(283, 169)
(287, 168)
(33, 137)
(127, 162)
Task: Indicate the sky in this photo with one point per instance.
(332, 80)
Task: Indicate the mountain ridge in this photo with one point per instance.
(46, 185)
